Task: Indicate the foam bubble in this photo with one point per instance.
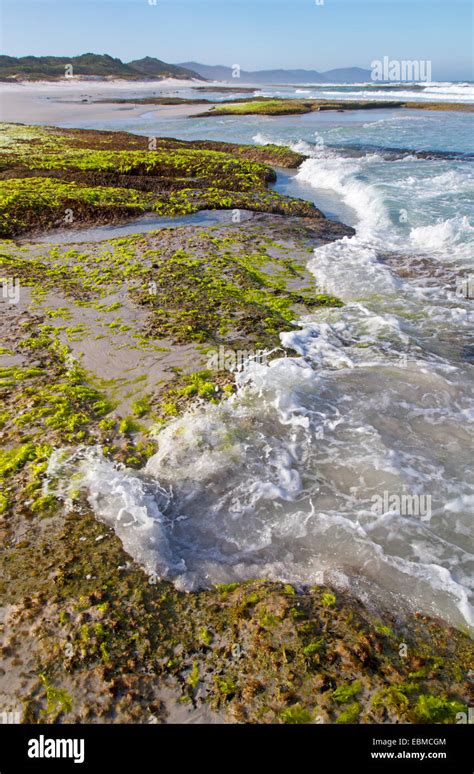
(444, 235)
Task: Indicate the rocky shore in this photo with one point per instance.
(106, 343)
(285, 107)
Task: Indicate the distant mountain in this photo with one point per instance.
(212, 72)
(221, 73)
(347, 75)
(89, 65)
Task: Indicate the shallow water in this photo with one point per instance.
(351, 463)
(143, 225)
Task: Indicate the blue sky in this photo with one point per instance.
(257, 34)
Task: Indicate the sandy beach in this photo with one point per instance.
(62, 104)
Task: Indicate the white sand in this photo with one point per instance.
(60, 103)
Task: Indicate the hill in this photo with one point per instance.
(89, 65)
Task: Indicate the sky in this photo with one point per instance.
(256, 34)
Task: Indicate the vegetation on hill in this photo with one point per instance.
(88, 65)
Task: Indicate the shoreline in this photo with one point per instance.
(57, 103)
(72, 585)
(18, 109)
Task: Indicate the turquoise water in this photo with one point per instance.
(384, 127)
(301, 475)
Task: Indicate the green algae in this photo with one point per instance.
(313, 647)
(19, 142)
(53, 184)
(346, 692)
(53, 401)
(437, 709)
(193, 677)
(279, 107)
(296, 715)
(12, 460)
(58, 700)
(225, 686)
(350, 714)
(205, 636)
(271, 107)
(267, 679)
(141, 407)
(26, 202)
(220, 296)
(226, 588)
